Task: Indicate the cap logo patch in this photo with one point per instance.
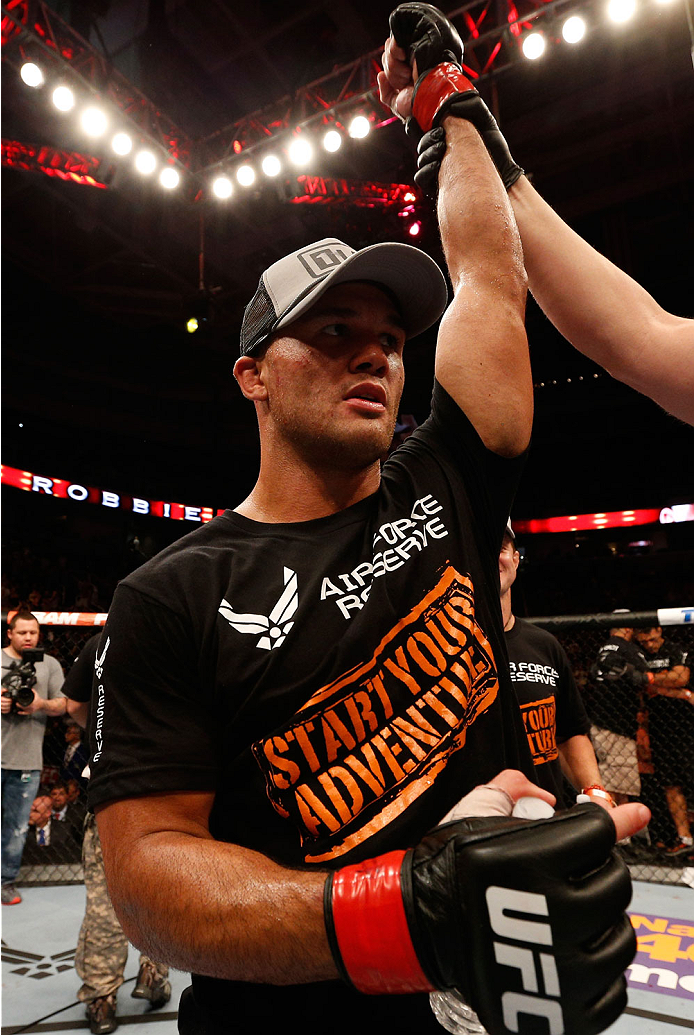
(319, 261)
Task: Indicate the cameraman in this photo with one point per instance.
(22, 738)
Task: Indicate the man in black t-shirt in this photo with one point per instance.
(291, 697)
(671, 729)
(555, 720)
(614, 697)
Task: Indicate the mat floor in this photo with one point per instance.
(39, 983)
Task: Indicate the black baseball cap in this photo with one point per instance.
(294, 283)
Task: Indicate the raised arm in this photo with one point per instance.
(482, 355)
(603, 312)
(596, 306)
(482, 352)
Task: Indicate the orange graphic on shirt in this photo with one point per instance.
(540, 719)
(365, 747)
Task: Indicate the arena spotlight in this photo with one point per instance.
(332, 141)
(574, 29)
(415, 229)
(245, 174)
(93, 122)
(31, 74)
(145, 162)
(621, 10)
(222, 187)
(122, 144)
(359, 127)
(271, 165)
(169, 178)
(63, 98)
(300, 151)
(192, 325)
(534, 45)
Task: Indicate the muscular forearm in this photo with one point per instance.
(56, 706)
(602, 311)
(213, 908)
(578, 762)
(671, 679)
(79, 711)
(482, 357)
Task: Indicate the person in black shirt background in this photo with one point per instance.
(613, 698)
(671, 730)
(555, 720)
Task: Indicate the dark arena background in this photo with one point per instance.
(124, 289)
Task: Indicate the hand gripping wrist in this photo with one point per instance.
(432, 146)
(526, 918)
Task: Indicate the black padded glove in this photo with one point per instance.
(432, 146)
(428, 37)
(525, 918)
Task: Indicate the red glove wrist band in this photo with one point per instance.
(371, 928)
(433, 89)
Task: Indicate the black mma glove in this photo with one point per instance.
(611, 667)
(432, 146)
(525, 918)
(428, 37)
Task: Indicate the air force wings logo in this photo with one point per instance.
(99, 661)
(273, 629)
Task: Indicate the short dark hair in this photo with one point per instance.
(22, 616)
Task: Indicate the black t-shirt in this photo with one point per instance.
(334, 681)
(549, 699)
(78, 682)
(669, 655)
(613, 703)
(670, 719)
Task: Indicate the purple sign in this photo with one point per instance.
(664, 961)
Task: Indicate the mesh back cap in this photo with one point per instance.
(289, 287)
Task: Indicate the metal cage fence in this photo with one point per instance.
(643, 740)
(646, 735)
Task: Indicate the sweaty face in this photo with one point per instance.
(25, 634)
(335, 377)
(651, 639)
(508, 565)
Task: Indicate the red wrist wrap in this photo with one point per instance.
(433, 89)
(371, 928)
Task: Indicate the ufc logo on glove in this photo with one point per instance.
(502, 904)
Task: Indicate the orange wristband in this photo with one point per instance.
(597, 791)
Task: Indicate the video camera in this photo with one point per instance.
(20, 678)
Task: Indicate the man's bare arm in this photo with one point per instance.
(199, 904)
(78, 710)
(671, 682)
(482, 355)
(603, 312)
(578, 761)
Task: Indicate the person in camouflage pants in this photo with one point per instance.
(102, 948)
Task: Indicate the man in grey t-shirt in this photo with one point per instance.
(23, 729)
